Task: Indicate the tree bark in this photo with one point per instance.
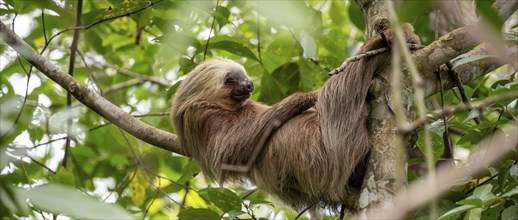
(380, 185)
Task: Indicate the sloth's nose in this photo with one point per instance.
(248, 86)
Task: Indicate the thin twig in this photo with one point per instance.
(73, 49)
(123, 85)
(43, 25)
(342, 212)
(461, 107)
(368, 54)
(41, 164)
(211, 29)
(22, 106)
(458, 82)
(306, 209)
(144, 168)
(152, 201)
(100, 21)
(30, 185)
(448, 148)
(259, 39)
(91, 74)
(248, 193)
(126, 72)
(160, 114)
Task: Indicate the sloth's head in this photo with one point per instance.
(218, 81)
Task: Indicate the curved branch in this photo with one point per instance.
(470, 71)
(456, 42)
(446, 48)
(420, 193)
(94, 101)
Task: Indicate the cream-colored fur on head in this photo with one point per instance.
(205, 83)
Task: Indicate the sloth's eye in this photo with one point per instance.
(230, 81)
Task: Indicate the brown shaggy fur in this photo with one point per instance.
(310, 158)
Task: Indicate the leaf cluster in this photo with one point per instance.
(135, 53)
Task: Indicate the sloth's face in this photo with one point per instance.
(240, 86)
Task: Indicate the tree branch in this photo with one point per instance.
(456, 42)
(97, 103)
(470, 71)
(420, 193)
(445, 48)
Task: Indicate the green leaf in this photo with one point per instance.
(117, 41)
(437, 145)
(186, 65)
(443, 207)
(356, 15)
(473, 214)
(514, 171)
(235, 213)
(119, 160)
(171, 91)
(512, 192)
(288, 75)
(223, 198)
(470, 59)
(271, 90)
(503, 87)
(272, 61)
(231, 45)
(306, 71)
(294, 14)
(337, 12)
(308, 44)
(10, 109)
(510, 213)
(279, 51)
(66, 16)
(471, 201)
(189, 171)
(222, 15)
(493, 212)
(55, 198)
(455, 211)
(412, 10)
(482, 191)
(472, 114)
(4, 158)
(197, 214)
(64, 177)
(143, 17)
(470, 138)
(12, 199)
(120, 9)
(437, 127)
(485, 195)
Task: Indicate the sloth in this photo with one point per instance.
(312, 145)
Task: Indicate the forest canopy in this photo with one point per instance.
(72, 155)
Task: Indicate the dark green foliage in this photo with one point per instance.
(286, 47)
